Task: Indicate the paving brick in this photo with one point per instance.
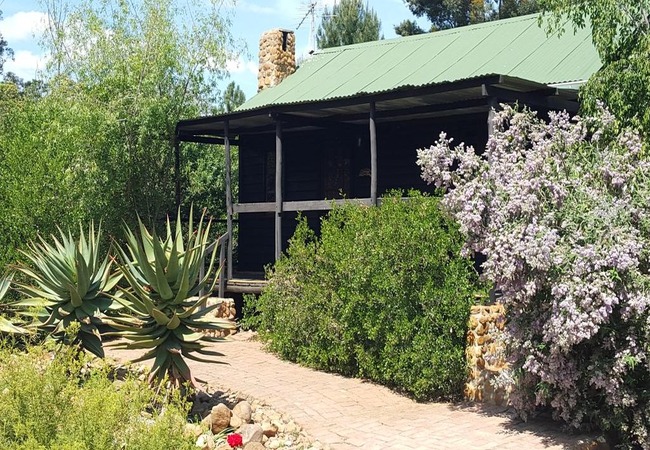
(352, 414)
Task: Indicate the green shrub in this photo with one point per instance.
(383, 294)
(46, 404)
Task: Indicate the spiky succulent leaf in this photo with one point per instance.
(67, 282)
(7, 326)
(162, 274)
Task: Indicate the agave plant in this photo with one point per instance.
(7, 326)
(164, 282)
(68, 283)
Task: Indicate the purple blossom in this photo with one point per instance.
(561, 212)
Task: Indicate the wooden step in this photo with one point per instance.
(246, 285)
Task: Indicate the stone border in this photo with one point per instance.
(485, 353)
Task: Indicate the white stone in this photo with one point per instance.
(251, 433)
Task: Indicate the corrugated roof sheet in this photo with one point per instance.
(516, 47)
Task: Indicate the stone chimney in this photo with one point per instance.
(277, 57)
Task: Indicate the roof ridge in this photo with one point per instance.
(429, 35)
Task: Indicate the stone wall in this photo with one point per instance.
(277, 57)
(485, 355)
(226, 310)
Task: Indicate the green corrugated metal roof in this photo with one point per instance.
(517, 48)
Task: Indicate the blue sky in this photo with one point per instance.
(23, 19)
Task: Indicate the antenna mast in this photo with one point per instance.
(311, 10)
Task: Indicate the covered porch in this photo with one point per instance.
(307, 157)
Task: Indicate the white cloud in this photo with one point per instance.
(255, 8)
(23, 26)
(239, 66)
(26, 64)
(290, 12)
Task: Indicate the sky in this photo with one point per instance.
(23, 21)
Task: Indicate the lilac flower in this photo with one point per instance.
(561, 212)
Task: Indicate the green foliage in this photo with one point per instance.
(623, 86)
(98, 129)
(5, 52)
(408, 28)
(61, 180)
(620, 32)
(444, 14)
(383, 294)
(233, 98)
(164, 282)
(45, 403)
(204, 178)
(68, 283)
(349, 22)
(620, 28)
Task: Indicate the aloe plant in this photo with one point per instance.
(6, 325)
(68, 283)
(164, 282)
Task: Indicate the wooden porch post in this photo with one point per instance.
(226, 138)
(493, 106)
(278, 189)
(177, 170)
(373, 155)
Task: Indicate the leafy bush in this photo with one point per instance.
(382, 294)
(45, 403)
(561, 212)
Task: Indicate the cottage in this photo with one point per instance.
(346, 123)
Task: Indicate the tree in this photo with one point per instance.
(233, 97)
(99, 138)
(445, 14)
(408, 28)
(619, 28)
(621, 34)
(5, 52)
(349, 22)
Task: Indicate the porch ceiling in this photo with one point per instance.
(461, 97)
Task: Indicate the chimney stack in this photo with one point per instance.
(277, 57)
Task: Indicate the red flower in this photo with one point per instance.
(235, 440)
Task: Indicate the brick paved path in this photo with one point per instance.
(352, 414)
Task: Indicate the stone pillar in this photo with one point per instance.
(277, 57)
(486, 355)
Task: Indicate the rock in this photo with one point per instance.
(251, 433)
(243, 410)
(235, 421)
(205, 442)
(254, 446)
(291, 427)
(273, 443)
(224, 447)
(207, 421)
(192, 430)
(269, 429)
(220, 418)
(202, 397)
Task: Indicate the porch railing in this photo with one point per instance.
(222, 242)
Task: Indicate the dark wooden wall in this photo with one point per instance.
(325, 164)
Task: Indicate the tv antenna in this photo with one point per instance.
(311, 11)
(312, 6)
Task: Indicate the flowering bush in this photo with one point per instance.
(561, 212)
